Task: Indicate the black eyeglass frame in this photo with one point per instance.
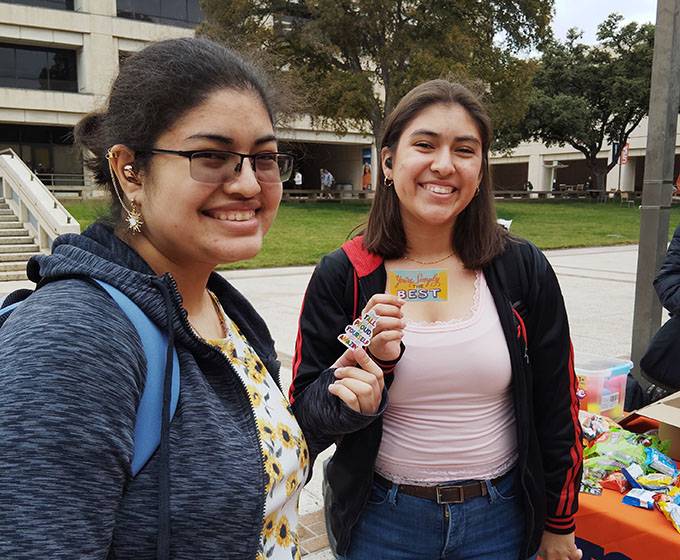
(189, 154)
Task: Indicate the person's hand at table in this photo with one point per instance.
(559, 547)
(386, 340)
(358, 381)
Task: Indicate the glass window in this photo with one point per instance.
(36, 68)
(174, 10)
(31, 69)
(125, 8)
(171, 12)
(62, 72)
(66, 160)
(7, 67)
(147, 10)
(54, 4)
(194, 12)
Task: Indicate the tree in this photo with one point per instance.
(355, 59)
(586, 95)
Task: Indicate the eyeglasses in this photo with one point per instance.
(221, 166)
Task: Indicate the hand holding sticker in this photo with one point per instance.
(359, 333)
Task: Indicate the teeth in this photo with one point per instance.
(438, 189)
(236, 216)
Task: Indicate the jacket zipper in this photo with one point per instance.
(223, 358)
(525, 442)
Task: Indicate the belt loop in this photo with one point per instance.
(392, 494)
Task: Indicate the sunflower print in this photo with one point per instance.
(283, 535)
(285, 435)
(285, 456)
(292, 484)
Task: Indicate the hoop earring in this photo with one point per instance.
(477, 191)
(389, 183)
(134, 217)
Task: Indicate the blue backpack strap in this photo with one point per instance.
(9, 308)
(155, 344)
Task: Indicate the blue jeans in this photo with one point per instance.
(396, 526)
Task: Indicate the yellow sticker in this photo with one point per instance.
(419, 285)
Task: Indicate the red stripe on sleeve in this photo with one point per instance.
(298, 354)
(568, 494)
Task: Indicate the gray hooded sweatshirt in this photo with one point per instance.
(72, 371)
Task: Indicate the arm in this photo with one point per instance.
(327, 309)
(554, 393)
(667, 282)
(71, 372)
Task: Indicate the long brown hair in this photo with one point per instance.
(476, 237)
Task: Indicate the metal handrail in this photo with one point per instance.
(57, 204)
(35, 200)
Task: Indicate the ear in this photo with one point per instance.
(386, 154)
(122, 164)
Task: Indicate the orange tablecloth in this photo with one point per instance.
(606, 529)
(610, 530)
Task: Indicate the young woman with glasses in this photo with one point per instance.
(466, 445)
(187, 148)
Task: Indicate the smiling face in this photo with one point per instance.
(436, 167)
(193, 225)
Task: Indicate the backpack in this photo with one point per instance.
(155, 343)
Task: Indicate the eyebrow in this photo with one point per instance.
(425, 132)
(227, 140)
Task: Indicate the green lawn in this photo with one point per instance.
(303, 233)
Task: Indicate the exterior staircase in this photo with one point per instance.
(16, 245)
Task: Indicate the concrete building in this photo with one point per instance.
(57, 61)
(58, 58)
(566, 166)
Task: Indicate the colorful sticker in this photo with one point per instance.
(359, 333)
(419, 285)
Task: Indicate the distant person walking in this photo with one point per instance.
(327, 180)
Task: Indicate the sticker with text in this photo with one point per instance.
(359, 333)
(419, 285)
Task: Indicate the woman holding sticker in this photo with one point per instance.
(476, 454)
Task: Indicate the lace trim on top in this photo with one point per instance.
(474, 472)
(476, 301)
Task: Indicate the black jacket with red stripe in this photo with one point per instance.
(532, 314)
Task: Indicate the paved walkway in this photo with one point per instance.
(598, 284)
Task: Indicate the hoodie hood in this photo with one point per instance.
(95, 253)
(99, 254)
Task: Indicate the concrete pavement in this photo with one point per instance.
(598, 284)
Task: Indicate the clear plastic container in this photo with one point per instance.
(602, 383)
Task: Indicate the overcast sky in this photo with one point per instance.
(588, 14)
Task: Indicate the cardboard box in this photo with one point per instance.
(667, 413)
(602, 383)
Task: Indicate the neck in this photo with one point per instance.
(428, 243)
(191, 279)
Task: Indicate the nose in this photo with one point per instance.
(443, 162)
(245, 183)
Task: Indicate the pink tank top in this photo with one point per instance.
(450, 414)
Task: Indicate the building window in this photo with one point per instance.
(183, 13)
(47, 150)
(54, 4)
(36, 68)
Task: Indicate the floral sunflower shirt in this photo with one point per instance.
(284, 449)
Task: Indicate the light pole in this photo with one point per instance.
(657, 190)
